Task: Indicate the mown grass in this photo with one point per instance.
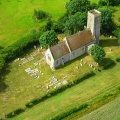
(22, 86)
(17, 84)
(85, 91)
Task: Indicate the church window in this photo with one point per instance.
(49, 57)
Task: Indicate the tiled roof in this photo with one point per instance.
(59, 50)
(80, 39)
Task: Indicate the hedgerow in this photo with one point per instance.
(18, 48)
(15, 112)
(69, 112)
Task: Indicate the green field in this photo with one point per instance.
(110, 111)
(16, 17)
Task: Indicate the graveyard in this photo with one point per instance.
(30, 77)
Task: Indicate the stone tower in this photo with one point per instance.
(93, 22)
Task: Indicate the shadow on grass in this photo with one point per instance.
(108, 64)
(71, 61)
(108, 42)
(3, 85)
(1, 47)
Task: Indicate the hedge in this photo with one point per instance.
(15, 112)
(59, 89)
(18, 48)
(69, 112)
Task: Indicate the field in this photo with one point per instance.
(109, 111)
(16, 17)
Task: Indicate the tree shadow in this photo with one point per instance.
(108, 42)
(3, 74)
(1, 47)
(108, 64)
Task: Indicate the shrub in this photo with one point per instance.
(69, 112)
(39, 14)
(14, 113)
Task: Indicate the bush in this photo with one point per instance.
(39, 14)
(69, 112)
(116, 32)
(118, 59)
(14, 113)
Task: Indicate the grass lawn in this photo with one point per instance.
(16, 17)
(17, 84)
(85, 91)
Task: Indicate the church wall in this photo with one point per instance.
(62, 60)
(78, 52)
(49, 58)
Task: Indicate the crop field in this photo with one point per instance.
(110, 111)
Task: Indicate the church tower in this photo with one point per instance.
(93, 22)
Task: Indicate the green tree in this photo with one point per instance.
(39, 14)
(49, 24)
(75, 23)
(48, 38)
(107, 24)
(119, 38)
(75, 6)
(108, 2)
(97, 53)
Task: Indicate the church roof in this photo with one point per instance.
(59, 50)
(80, 39)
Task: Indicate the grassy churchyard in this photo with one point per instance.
(21, 84)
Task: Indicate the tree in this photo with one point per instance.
(48, 38)
(49, 24)
(75, 23)
(97, 53)
(108, 2)
(75, 6)
(39, 14)
(119, 38)
(107, 24)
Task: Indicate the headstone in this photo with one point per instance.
(34, 46)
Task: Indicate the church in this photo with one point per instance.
(76, 44)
